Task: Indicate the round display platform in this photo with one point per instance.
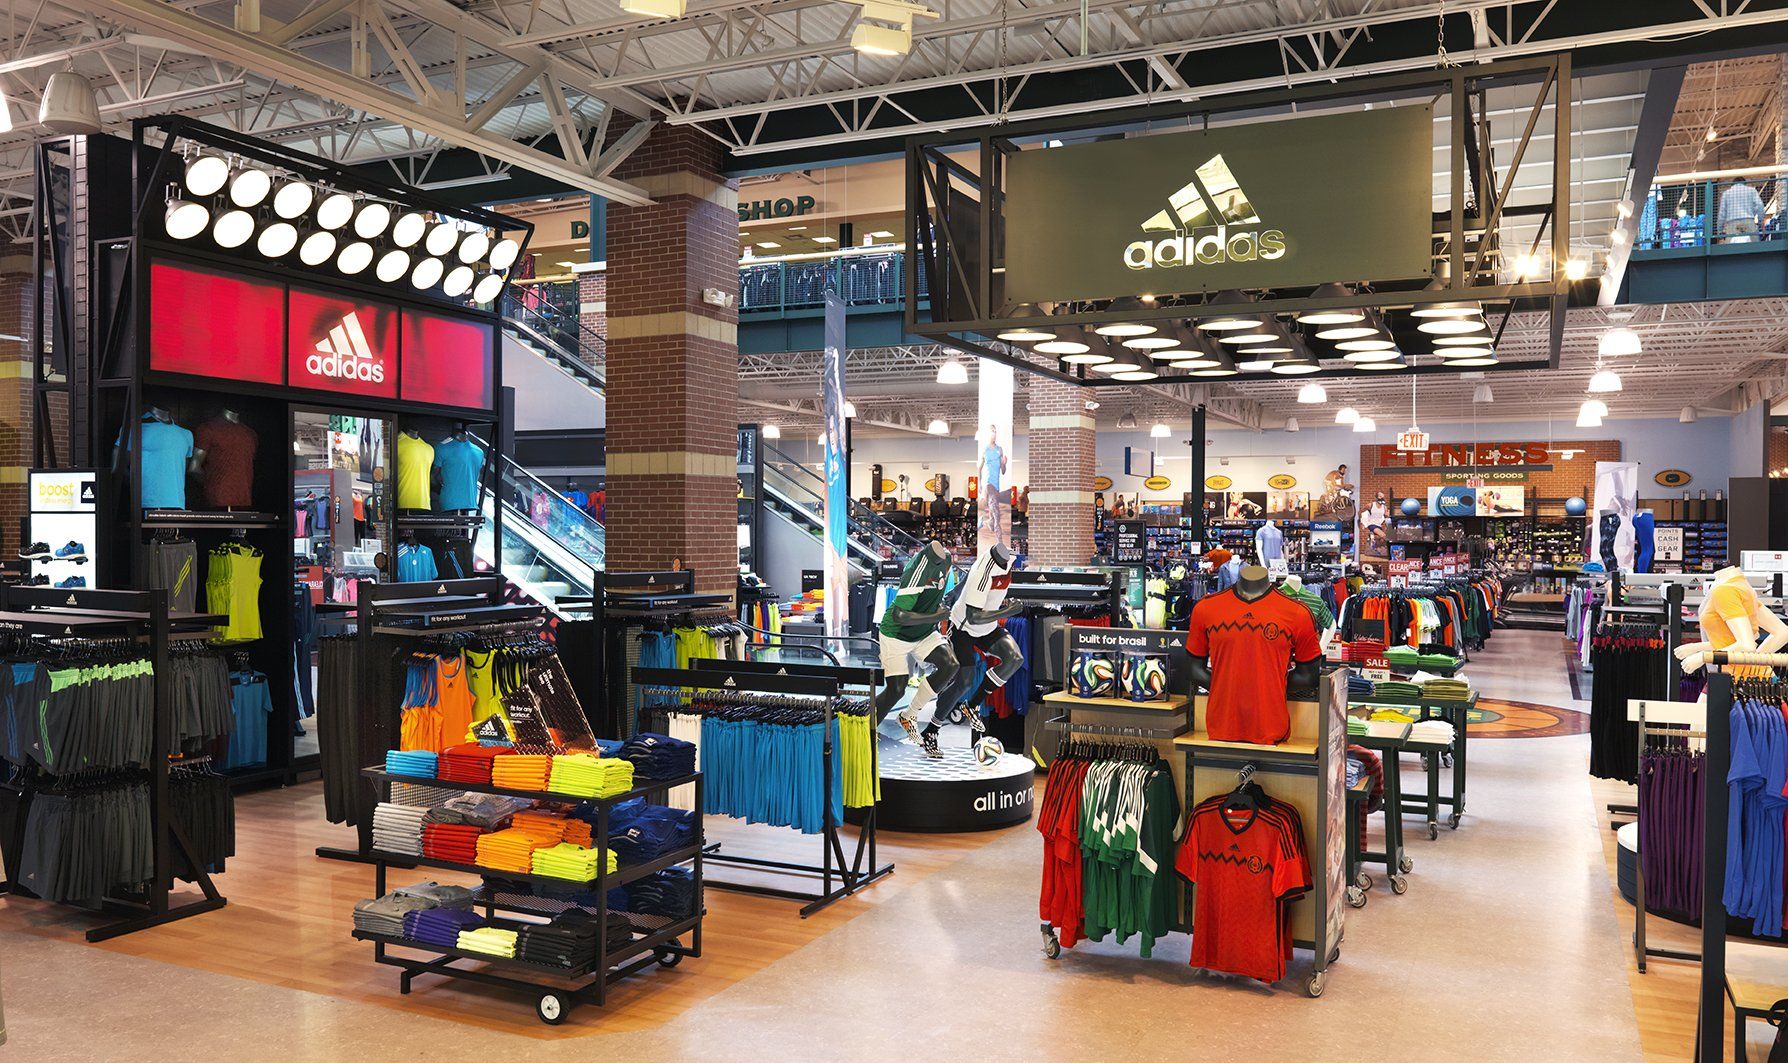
(954, 795)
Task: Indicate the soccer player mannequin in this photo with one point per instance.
(1300, 681)
(910, 639)
(975, 627)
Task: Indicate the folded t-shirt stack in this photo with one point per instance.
(574, 862)
(521, 771)
(416, 763)
(1403, 656)
(454, 842)
(1435, 731)
(484, 811)
(1447, 689)
(385, 915)
(1356, 726)
(575, 831)
(568, 942)
(1396, 688)
(640, 833)
(513, 849)
(656, 756)
(581, 775)
(440, 926)
(1358, 686)
(490, 940)
(468, 763)
(398, 828)
(1362, 650)
(669, 894)
(1438, 660)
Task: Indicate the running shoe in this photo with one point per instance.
(39, 580)
(909, 722)
(71, 551)
(71, 583)
(36, 552)
(928, 745)
(972, 717)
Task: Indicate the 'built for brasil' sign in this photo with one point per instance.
(1290, 203)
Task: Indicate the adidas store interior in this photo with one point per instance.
(1182, 610)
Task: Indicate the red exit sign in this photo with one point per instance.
(1413, 439)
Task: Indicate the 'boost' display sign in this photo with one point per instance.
(1272, 204)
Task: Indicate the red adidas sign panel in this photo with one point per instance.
(341, 345)
(447, 360)
(208, 323)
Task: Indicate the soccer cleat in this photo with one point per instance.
(928, 745)
(71, 583)
(972, 717)
(71, 551)
(36, 552)
(909, 723)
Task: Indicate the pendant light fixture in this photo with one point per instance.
(1313, 394)
(1127, 304)
(1291, 424)
(1388, 365)
(1451, 326)
(1160, 431)
(952, 372)
(1588, 416)
(186, 219)
(1347, 332)
(1336, 316)
(1603, 382)
(772, 431)
(1618, 342)
(1229, 322)
(1135, 376)
(1346, 415)
(1028, 332)
(938, 427)
(1688, 415)
(1482, 394)
(1365, 425)
(1442, 309)
(1361, 358)
(1297, 368)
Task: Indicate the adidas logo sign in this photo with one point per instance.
(782, 671)
(71, 600)
(729, 682)
(1199, 217)
(442, 589)
(346, 355)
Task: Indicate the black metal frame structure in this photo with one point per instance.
(956, 221)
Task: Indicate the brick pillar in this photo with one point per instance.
(15, 395)
(1061, 452)
(592, 309)
(673, 364)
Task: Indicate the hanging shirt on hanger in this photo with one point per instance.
(415, 459)
(461, 462)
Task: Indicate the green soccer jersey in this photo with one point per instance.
(921, 591)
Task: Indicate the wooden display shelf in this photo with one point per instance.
(1203, 740)
(1170, 704)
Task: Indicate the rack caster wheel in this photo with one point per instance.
(1453, 821)
(667, 958)
(1363, 880)
(1406, 865)
(1052, 948)
(1433, 830)
(552, 1008)
(1399, 885)
(1333, 956)
(1316, 982)
(1356, 897)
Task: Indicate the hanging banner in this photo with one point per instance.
(1611, 521)
(993, 463)
(837, 579)
(1234, 207)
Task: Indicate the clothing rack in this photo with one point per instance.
(1045, 587)
(795, 678)
(1671, 719)
(1710, 1023)
(141, 616)
(626, 600)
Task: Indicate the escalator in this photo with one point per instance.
(794, 502)
(551, 548)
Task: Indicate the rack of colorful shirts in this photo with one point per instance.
(1451, 615)
(98, 801)
(640, 615)
(781, 743)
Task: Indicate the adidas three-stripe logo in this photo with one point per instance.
(346, 354)
(1197, 222)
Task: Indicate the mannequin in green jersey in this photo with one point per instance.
(910, 640)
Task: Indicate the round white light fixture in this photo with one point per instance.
(1603, 382)
(1618, 237)
(1313, 394)
(1451, 326)
(502, 256)
(1382, 367)
(1295, 368)
(1368, 357)
(771, 431)
(1262, 352)
(1245, 338)
(206, 174)
(372, 220)
(277, 240)
(1330, 317)
(250, 187)
(1365, 345)
(1472, 360)
(1461, 341)
(1136, 375)
(234, 228)
(392, 266)
(1215, 370)
(1160, 431)
(1151, 343)
(335, 211)
(427, 274)
(1346, 415)
(1291, 424)
(952, 372)
(1195, 361)
(938, 427)
(1617, 342)
(1576, 268)
(1445, 310)
(293, 199)
(316, 249)
(491, 285)
(1482, 394)
(1590, 414)
(441, 238)
(1119, 364)
(1022, 334)
(1227, 324)
(1173, 354)
(1595, 406)
(1126, 328)
(473, 247)
(1688, 415)
(850, 408)
(186, 219)
(354, 257)
(1347, 332)
(1365, 425)
(459, 279)
(409, 229)
(1257, 365)
(1066, 349)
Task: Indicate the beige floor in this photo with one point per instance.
(1507, 946)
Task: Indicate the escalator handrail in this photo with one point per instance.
(877, 526)
(508, 465)
(587, 374)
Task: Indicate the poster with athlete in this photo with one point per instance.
(1336, 500)
(1372, 542)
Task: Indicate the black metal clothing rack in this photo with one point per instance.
(838, 876)
(142, 616)
(627, 600)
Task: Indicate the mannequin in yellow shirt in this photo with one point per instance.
(1732, 619)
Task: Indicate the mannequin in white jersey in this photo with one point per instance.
(975, 627)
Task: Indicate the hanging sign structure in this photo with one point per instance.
(1412, 440)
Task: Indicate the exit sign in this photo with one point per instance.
(1411, 440)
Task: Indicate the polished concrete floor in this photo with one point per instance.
(1506, 947)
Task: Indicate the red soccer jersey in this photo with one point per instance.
(1251, 645)
(1244, 865)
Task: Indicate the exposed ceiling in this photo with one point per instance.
(1739, 101)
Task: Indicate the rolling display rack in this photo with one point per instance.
(630, 600)
(141, 616)
(412, 611)
(838, 876)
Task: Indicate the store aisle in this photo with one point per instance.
(1506, 941)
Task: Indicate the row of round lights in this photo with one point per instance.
(428, 250)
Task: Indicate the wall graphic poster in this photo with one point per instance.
(1611, 517)
(1288, 505)
(1374, 530)
(1336, 502)
(1452, 501)
(1501, 500)
(64, 516)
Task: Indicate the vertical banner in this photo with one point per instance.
(993, 460)
(1611, 521)
(837, 582)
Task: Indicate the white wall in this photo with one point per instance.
(1746, 456)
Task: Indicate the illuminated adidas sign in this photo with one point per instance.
(1201, 219)
(346, 355)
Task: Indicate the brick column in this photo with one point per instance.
(673, 364)
(1060, 448)
(592, 308)
(15, 395)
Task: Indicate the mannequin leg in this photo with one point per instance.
(1004, 660)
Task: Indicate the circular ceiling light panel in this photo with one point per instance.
(1365, 345)
(1174, 354)
(186, 219)
(458, 280)
(1460, 341)
(293, 199)
(335, 211)
(1227, 324)
(441, 239)
(372, 220)
(1214, 371)
(1194, 362)
(1151, 343)
(250, 187)
(1379, 367)
(1347, 332)
(1366, 357)
(488, 288)
(316, 249)
(1245, 338)
(392, 266)
(1446, 310)
(1472, 361)
(427, 274)
(503, 255)
(1296, 368)
(1450, 326)
(1017, 335)
(277, 240)
(474, 247)
(409, 230)
(206, 175)
(1126, 328)
(233, 229)
(1136, 375)
(1117, 365)
(354, 257)
(1063, 347)
(1262, 365)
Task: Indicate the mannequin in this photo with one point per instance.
(1732, 619)
(910, 640)
(975, 627)
(1252, 633)
(1644, 539)
(1269, 543)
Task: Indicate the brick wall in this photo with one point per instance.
(673, 383)
(1574, 475)
(1778, 452)
(15, 396)
(1060, 450)
(592, 300)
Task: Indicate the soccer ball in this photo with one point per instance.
(1145, 677)
(1091, 675)
(988, 751)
